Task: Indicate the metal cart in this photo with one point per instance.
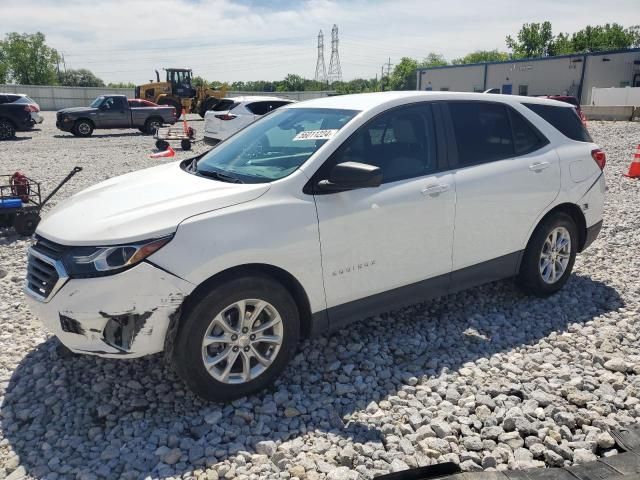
(163, 136)
(21, 201)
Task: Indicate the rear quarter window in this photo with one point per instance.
(563, 119)
(224, 105)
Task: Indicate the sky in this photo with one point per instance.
(228, 40)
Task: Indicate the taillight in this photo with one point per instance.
(226, 116)
(30, 108)
(599, 157)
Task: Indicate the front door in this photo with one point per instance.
(507, 174)
(375, 240)
(113, 113)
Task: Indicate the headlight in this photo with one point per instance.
(101, 261)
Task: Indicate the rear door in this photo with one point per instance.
(506, 174)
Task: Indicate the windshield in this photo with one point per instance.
(276, 145)
(96, 103)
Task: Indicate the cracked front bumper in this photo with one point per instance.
(122, 315)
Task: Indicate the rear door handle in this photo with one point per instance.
(539, 166)
(435, 189)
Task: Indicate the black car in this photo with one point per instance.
(15, 116)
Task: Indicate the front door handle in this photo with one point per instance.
(539, 166)
(435, 189)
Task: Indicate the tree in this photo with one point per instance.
(291, 83)
(80, 78)
(433, 60)
(198, 81)
(533, 40)
(404, 74)
(4, 66)
(605, 37)
(480, 56)
(30, 61)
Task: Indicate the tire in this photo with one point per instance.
(185, 144)
(170, 102)
(207, 105)
(162, 145)
(83, 128)
(7, 129)
(151, 125)
(25, 224)
(539, 276)
(200, 320)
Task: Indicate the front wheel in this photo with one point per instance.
(83, 128)
(549, 256)
(237, 338)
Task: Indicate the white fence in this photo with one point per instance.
(629, 96)
(55, 98)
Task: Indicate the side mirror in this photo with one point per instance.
(351, 176)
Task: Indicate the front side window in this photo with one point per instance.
(482, 131)
(400, 142)
(274, 146)
(97, 102)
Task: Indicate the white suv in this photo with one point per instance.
(232, 114)
(321, 213)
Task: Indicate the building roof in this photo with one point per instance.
(369, 101)
(534, 59)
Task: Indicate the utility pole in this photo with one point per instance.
(321, 71)
(335, 70)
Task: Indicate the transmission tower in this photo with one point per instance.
(335, 71)
(321, 71)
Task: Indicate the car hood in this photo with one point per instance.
(145, 204)
(77, 109)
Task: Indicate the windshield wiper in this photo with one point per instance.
(223, 177)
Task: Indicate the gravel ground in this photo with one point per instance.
(488, 378)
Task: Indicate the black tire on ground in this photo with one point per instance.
(162, 145)
(188, 357)
(152, 124)
(83, 128)
(172, 103)
(6, 219)
(7, 129)
(207, 105)
(530, 279)
(185, 144)
(25, 223)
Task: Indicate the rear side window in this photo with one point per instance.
(526, 138)
(224, 105)
(483, 132)
(13, 98)
(3, 99)
(564, 119)
(262, 108)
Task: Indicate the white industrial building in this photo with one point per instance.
(572, 75)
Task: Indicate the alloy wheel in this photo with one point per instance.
(555, 255)
(242, 341)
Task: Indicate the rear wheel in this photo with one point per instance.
(83, 128)
(7, 130)
(549, 256)
(26, 223)
(151, 125)
(237, 339)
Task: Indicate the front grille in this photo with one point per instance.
(49, 249)
(44, 268)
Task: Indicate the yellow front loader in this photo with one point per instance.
(178, 92)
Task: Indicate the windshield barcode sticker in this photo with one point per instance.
(315, 135)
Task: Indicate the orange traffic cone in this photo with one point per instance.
(634, 168)
(169, 152)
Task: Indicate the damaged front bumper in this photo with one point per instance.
(122, 315)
